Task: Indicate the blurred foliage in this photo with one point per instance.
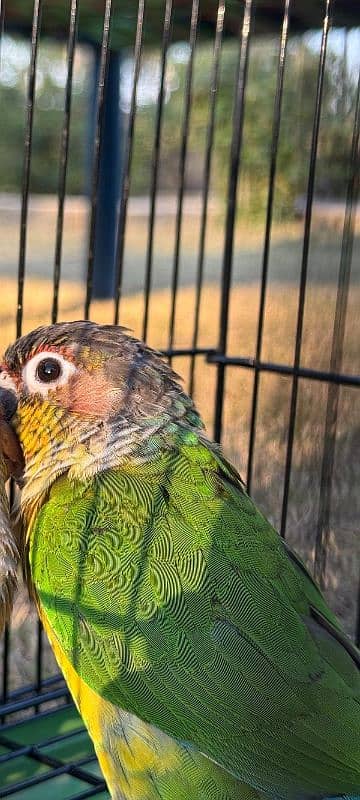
(48, 116)
(339, 96)
(304, 15)
(295, 132)
(55, 18)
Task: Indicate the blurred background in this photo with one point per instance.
(197, 199)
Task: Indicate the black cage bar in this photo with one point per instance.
(311, 420)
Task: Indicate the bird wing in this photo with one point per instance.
(175, 599)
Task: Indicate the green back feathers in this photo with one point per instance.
(175, 599)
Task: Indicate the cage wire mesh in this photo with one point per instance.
(206, 228)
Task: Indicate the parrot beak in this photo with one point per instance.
(9, 443)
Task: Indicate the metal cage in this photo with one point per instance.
(43, 744)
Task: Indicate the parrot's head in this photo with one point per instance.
(83, 397)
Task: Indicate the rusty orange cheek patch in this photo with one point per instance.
(86, 394)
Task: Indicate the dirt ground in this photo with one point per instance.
(272, 420)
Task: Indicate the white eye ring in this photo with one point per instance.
(31, 373)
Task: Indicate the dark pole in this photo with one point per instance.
(109, 174)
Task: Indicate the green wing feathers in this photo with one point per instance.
(176, 600)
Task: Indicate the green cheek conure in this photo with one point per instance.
(200, 653)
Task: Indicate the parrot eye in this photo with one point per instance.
(46, 371)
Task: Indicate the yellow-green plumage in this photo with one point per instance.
(176, 601)
(204, 659)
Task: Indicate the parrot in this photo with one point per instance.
(199, 651)
(11, 463)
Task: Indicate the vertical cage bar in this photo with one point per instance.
(357, 625)
(304, 261)
(337, 346)
(39, 660)
(2, 20)
(5, 664)
(120, 244)
(268, 224)
(235, 155)
(7, 630)
(182, 167)
(64, 152)
(6, 636)
(35, 35)
(104, 60)
(214, 81)
(155, 163)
